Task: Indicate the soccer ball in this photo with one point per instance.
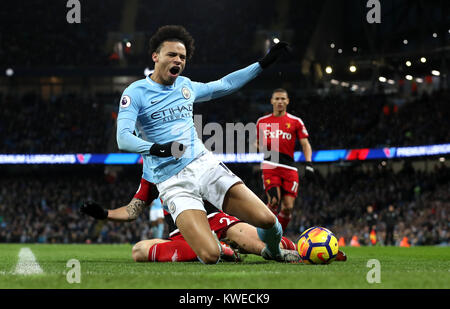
(317, 245)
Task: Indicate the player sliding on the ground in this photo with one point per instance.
(160, 109)
(240, 235)
(226, 228)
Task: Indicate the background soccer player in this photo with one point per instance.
(277, 134)
(160, 109)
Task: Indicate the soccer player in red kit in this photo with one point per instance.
(176, 248)
(276, 136)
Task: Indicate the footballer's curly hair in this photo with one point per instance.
(172, 33)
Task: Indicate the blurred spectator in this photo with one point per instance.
(390, 220)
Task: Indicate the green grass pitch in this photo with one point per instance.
(111, 266)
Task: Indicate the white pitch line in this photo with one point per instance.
(27, 264)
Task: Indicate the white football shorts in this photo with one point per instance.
(205, 178)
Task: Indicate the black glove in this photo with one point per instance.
(94, 210)
(274, 53)
(172, 149)
(309, 171)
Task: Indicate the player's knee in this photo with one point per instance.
(209, 256)
(139, 253)
(268, 221)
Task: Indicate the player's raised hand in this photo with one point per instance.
(94, 210)
(274, 53)
(171, 149)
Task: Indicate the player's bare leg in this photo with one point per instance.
(193, 225)
(242, 203)
(285, 214)
(141, 249)
(246, 238)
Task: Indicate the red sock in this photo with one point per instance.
(172, 251)
(284, 219)
(288, 244)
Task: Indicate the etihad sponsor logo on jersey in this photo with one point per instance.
(173, 113)
(277, 134)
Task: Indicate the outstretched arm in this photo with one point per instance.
(234, 81)
(227, 84)
(122, 214)
(129, 212)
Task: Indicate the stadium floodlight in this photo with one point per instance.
(332, 45)
(355, 49)
(340, 50)
(405, 41)
(408, 77)
(391, 81)
(9, 72)
(435, 35)
(329, 70)
(435, 72)
(352, 68)
(276, 40)
(423, 59)
(408, 63)
(382, 79)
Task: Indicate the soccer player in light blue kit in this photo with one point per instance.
(159, 109)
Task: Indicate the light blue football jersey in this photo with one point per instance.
(162, 114)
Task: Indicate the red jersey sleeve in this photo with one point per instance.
(301, 130)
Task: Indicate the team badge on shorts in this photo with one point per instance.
(125, 101)
(186, 93)
(172, 208)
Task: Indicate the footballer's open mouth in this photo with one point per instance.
(175, 70)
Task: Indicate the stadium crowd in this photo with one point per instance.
(64, 124)
(75, 124)
(90, 43)
(43, 207)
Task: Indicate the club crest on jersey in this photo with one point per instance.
(186, 93)
(125, 101)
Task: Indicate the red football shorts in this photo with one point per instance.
(219, 222)
(283, 177)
